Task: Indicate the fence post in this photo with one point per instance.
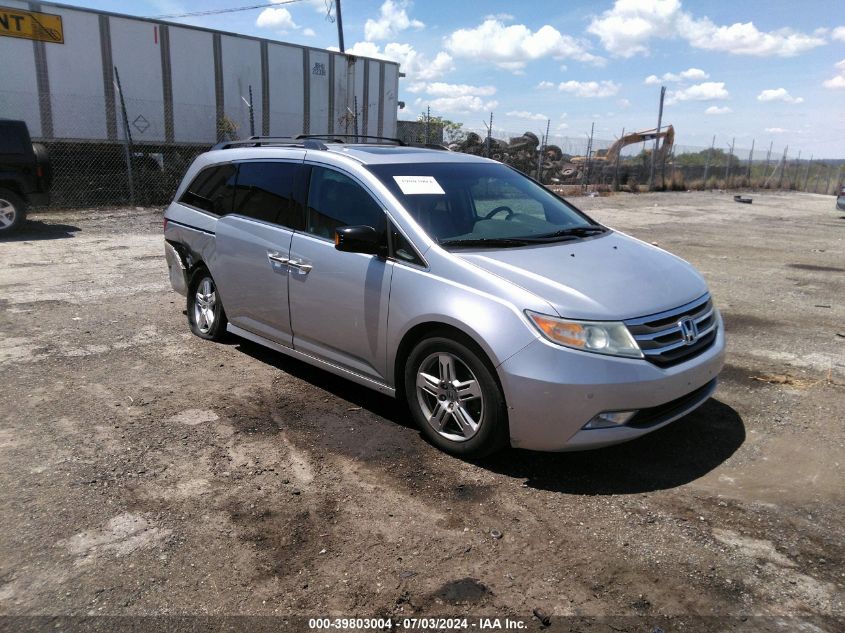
(728, 165)
(807, 175)
(782, 167)
(656, 138)
(750, 160)
(616, 166)
(768, 158)
(127, 140)
(355, 118)
(585, 176)
(251, 113)
(793, 183)
(489, 138)
(707, 162)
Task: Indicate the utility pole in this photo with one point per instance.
(656, 138)
(339, 26)
(707, 162)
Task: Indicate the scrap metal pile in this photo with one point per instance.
(555, 167)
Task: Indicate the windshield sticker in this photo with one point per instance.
(416, 185)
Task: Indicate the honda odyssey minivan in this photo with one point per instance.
(499, 312)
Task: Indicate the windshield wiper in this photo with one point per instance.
(573, 231)
(486, 241)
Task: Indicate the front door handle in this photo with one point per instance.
(303, 268)
(276, 257)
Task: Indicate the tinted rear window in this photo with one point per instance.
(212, 190)
(264, 191)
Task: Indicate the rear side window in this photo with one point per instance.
(264, 191)
(212, 190)
(335, 200)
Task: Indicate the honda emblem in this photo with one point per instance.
(689, 330)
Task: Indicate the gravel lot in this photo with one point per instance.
(145, 471)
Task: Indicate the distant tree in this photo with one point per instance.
(452, 132)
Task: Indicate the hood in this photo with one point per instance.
(610, 277)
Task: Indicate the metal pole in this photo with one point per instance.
(656, 138)
(728, 164)
(339, 26)
(782, 167)
(616, 166)
(585, 176)
(355, 116)
(750, 159)
(489, 137)
(768, 157)
(427, 117)
(807, 175)
(707, 162)
(127, 136)
(793, 184)
(251, 113)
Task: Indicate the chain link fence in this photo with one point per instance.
(95, 163)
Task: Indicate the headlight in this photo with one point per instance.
(601, 337)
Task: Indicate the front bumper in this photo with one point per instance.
(552, 392)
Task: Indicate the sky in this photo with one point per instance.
(764, 71)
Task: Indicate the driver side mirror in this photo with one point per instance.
(359, 239)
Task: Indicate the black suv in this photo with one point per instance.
(24, 174)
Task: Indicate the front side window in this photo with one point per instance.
(482, 204)
(212, 190)
(264, 191)
(335, 200)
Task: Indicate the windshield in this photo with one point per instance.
(481, 203)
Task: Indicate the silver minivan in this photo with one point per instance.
(497, 310)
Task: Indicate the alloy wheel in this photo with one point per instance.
(8, 213)
(450, 396)
(204, 304)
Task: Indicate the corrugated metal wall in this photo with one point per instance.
(180, 82)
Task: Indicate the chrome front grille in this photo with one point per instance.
(673, 336)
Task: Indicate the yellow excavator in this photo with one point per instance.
(573, 168)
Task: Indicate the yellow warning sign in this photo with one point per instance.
(31, 25)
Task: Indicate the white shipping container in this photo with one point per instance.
(184, 84)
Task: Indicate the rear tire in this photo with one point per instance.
(454, 397)
(206, 315)
(12, 211)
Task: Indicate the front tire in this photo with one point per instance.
(205, 309)
(12, 211)
(454, 398)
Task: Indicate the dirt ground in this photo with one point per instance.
(147, 472)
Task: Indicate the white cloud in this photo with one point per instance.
(523, 114)
(624, 103)
(626, 29)
(692, 74)
(561, 127)
(778, 94)
(718, 110)
(589, 88)
(837, 81)
(776, 130)
(502, 17)
(706, 91)
(512, 47)
(309, 32)
(393, 18)
(838, 33)
(415, 65)
(276, 18)
(465, 103)
(545, 85)
(441, 89)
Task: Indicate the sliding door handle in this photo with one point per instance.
(303, 268)
(277, 258)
